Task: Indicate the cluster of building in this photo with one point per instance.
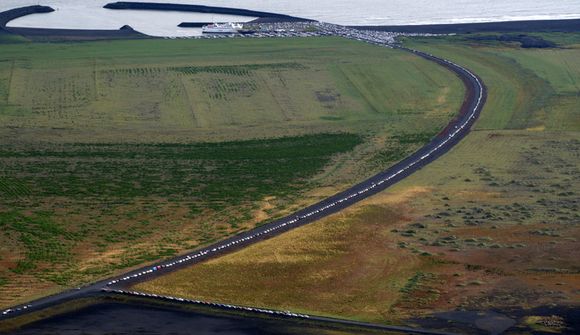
(264, 34)
(299, 29)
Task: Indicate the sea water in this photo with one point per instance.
(89, 14)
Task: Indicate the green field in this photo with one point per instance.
(114, 154)
(494, 224)
(175, 91)
(528, 88)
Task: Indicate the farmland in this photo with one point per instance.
(493, 225)
(115, 154)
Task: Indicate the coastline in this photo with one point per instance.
(52, 35)
(126, 32)
(558, 25)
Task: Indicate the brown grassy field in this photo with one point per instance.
(494, 224)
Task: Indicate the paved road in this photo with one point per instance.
(442, 143)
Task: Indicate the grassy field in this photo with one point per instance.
(528, 88)
(6, 38)
(494, 224)
(114, 154)
(174, 91)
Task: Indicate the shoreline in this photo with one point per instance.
(530, 26)
(40, 34)
(56, 35)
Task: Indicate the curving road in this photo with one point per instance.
(471, 108)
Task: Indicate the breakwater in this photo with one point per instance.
(45, 34)
(194, 24)
(200, 9)
(12, 14)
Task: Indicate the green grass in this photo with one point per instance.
(204, 90)
(211, 174)
(45, 240)
(528, 88)
(10, 39)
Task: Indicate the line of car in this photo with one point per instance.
(16, 309)
(212, 304)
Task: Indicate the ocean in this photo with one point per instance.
(89, 14)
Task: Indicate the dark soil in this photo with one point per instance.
(131, 318)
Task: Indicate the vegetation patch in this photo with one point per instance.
(43, 239)
(105, 179)
(217, 174)
(549, 324)
(525, 41)
(336, 276)
(190, 91)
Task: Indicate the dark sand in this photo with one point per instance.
(464, 28)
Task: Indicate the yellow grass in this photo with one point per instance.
(335, 267)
